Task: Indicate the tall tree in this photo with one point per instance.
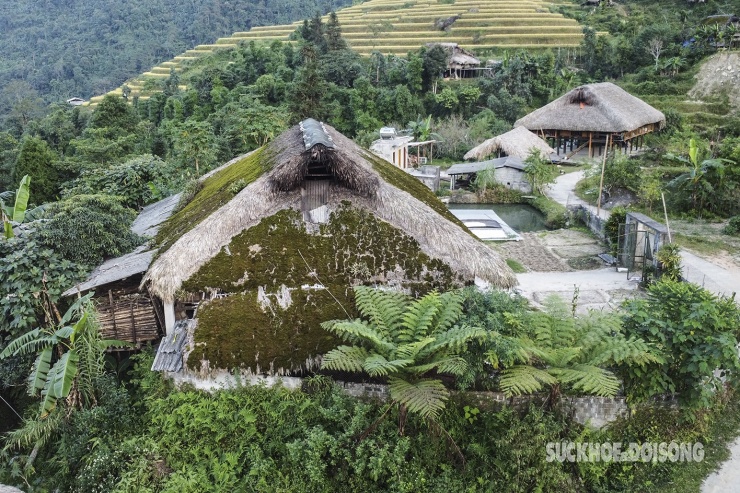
(36, 160)
(309, 88)
(334, 40)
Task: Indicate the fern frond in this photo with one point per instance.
(345, 358)
(453, 365)
(33, 432)
(450, 311)
(382, 308)
(377, 366)
(359, 332)
(411, 350)
(424, 397)
(418, 318)
(524, 379)
(589, 379)
(454, 339)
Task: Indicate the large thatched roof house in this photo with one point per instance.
(589, 114)
(272, 245)
(518, 142)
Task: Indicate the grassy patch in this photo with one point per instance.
(515, 266)
(556, 215)
(723, 429)
(700, 244)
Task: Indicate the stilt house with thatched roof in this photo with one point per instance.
(593, 116)
(518, 142)
(268, 263)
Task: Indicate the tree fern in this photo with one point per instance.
(345, 358)
(425, 397)
(404, 340)
(572, 351)
(525, 379)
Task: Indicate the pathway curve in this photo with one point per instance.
(718, 279)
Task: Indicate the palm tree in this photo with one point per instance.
(409, 342)
(571, 351)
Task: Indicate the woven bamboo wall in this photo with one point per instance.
(128, 317)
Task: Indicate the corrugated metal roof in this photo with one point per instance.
(466, 168)
(152, 216)
(115, 269)
(170, 352)
(314, 133)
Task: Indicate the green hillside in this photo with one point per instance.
(400, 26)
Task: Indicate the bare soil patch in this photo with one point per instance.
(562, 250)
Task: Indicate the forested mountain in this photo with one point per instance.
(65, 48)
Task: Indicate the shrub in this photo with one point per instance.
(733, 226)
(611, 227)
(89, 228)
(697, 333)
(138, 181)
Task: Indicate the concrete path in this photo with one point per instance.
(9, 489)
(597, 289)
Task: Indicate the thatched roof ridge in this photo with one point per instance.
(518, 142)
(602, 107)
(277, 189)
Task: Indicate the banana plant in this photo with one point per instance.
(17, 213)
(69, 357)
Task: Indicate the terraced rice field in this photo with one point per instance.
(400, 26)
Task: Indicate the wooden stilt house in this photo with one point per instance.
(590, 116)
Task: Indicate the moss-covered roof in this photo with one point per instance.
(216, 191)
(274, 176)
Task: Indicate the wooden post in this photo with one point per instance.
(112, 314)
(169, 316)
(590, 151)
(601, 183)
(665, 212)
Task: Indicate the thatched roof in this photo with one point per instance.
(287, 161)
(518, 143)
(602, 107)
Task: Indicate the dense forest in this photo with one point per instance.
(120, 427)
(55, 50)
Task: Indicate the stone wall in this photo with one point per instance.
(592, 410)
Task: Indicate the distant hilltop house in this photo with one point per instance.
(461, 64)
(592, 116)
(75, 101)
(241, 278)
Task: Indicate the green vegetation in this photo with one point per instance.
(556, 215)
(405, 341)
(517, 267)
(185, 117)
(696, 333)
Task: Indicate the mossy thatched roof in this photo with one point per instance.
(602, 107)
(273, 176)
